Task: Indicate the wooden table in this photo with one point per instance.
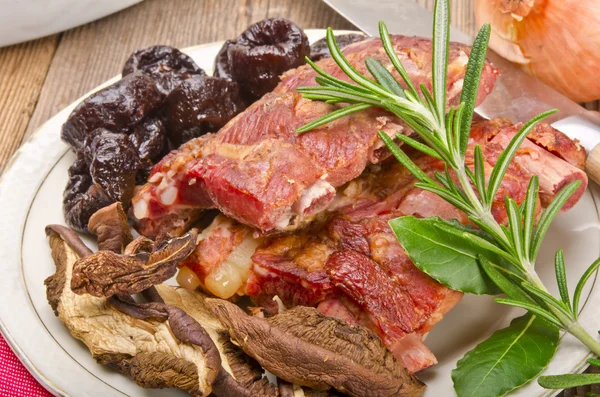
(39, 78)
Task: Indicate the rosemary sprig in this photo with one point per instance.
(571, 380)
(445, 136)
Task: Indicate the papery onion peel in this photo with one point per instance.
(558, 41)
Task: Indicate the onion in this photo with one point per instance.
(558, 41)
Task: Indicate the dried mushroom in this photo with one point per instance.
(107, 273)
(306, 348)
(289, 390)
(140, 244)
(191, 351)
(239, 375)
(110, 225)
(247, 375)
(147, 350)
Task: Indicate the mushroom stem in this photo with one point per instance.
(71, 237)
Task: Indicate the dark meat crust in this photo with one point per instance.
(279, 276)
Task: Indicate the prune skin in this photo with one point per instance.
(113, 163)
(117, 107)
(199, 105)
(319, 49)
(166, 65)
(263, 52)
(82, 197)
(150, 139)
(221, 68)
(144, 171)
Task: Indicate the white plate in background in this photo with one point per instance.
(30, 198)
(22, 20)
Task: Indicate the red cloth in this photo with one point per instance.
(15, 380)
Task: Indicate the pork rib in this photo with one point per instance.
(258, 171)
(349, 264)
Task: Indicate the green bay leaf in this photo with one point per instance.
(506, 360)
(446, 255)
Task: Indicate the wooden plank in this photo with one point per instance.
(91, 54)
(23, 68)
(308, 14)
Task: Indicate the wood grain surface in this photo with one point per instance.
(39, 78)
(23, 70)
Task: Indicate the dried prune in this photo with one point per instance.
(257, 58)
(221, 68)
(144, 172)
(82, 197)
(199, 105)
(166, 65)
(319, 49)
(150, 140)
(113, 163)
(117, 108)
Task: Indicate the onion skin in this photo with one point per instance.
(558, 41)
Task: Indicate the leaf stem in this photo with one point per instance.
(569, 324)
(580, 333)
(532, 276)
(483, 213)
(480, 212)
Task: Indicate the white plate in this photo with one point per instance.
(30, 198)
(24, 20)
